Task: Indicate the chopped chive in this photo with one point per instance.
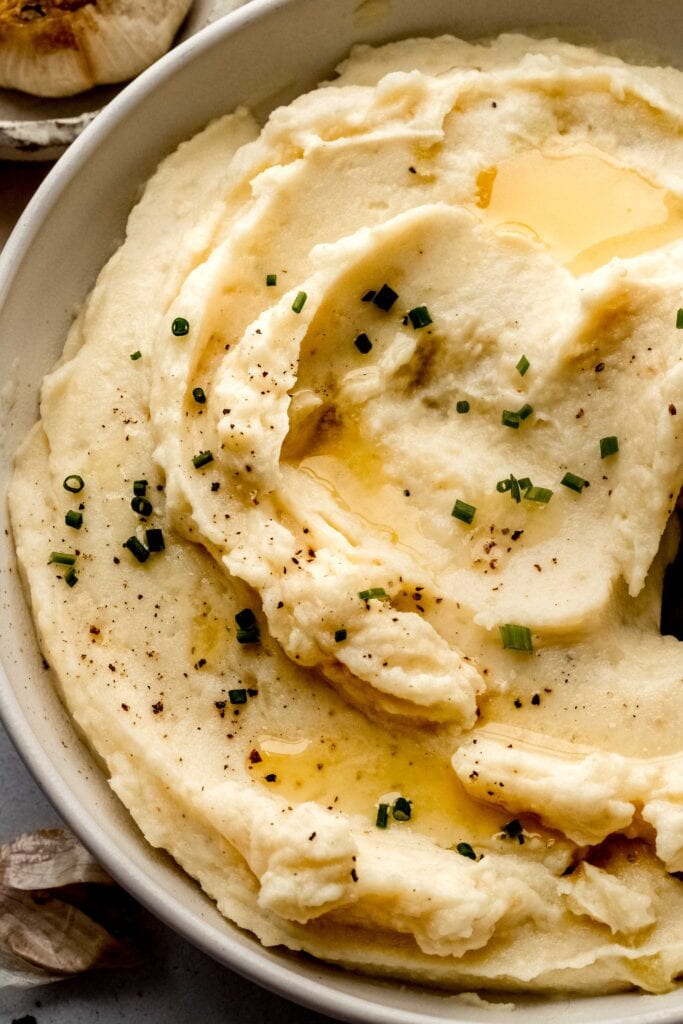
(573, 482)
(137, 549)
(464, 512)
(522, 366)
(60, 558)
(373, 592)
(516, 638)
(299, 302)
(251, 635)
(608, 446)
(465, 850)
(402, 809)
(74, 519)
(540, 494)
(382, 819)
(180, 327)
(339, 635)
(385, 298)
(513, 485)
(71, 577)
(363, 344)
(271, 280)
(202, 459)
(419, 317)
(245, 619)
(679, 319)
(155, 540)
(524, 483)
(510, 419)
(199, 395)
(513, 828)
(237, 696)
(462, 406)
(142, 506)
(140, 488)
(369, 296)
(525, 411)
(74, 483)
(136, 355)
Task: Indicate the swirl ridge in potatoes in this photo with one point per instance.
(377, 415)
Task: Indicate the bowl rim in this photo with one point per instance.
(298, 984)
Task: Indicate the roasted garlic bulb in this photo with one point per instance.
(62, 47)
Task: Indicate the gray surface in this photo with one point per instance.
(176, 985)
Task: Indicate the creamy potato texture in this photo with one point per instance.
(403, 375)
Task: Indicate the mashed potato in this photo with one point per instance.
(358, 472)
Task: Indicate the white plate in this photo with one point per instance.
(36, 128)
(268, 51)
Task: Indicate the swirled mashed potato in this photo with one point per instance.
(375, 650)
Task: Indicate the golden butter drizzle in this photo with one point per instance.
(582, 206)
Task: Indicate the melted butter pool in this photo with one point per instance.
(354, 774)
(584, 208)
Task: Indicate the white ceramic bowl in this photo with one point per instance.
(267, 52)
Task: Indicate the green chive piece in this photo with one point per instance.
(419, 317)
(271, 280)
(245, 619)
(142, 506)
(202, 459)
(248, 636)
(465, 850)
(137, 549)
(679, 319)
(464, 512)
(237, 696)
(513, 828)
(74, 519)
(140, 488)
(74, 483)
(573, 482)
(363, 344)
(199, 395)
(299, 302)
(516, 638)
(525, 411)
(71, 577)
(374, 592)
(382, 819)
(524, 484)
(522, 366)
(384, 298)
(180, 327)
(540, 494)
(608, 446)
(402, 809)
(155, 540)
(136, 355)
(462, 406)
(60, 558)
(510, 419)
(340, 635)
(513, 485)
